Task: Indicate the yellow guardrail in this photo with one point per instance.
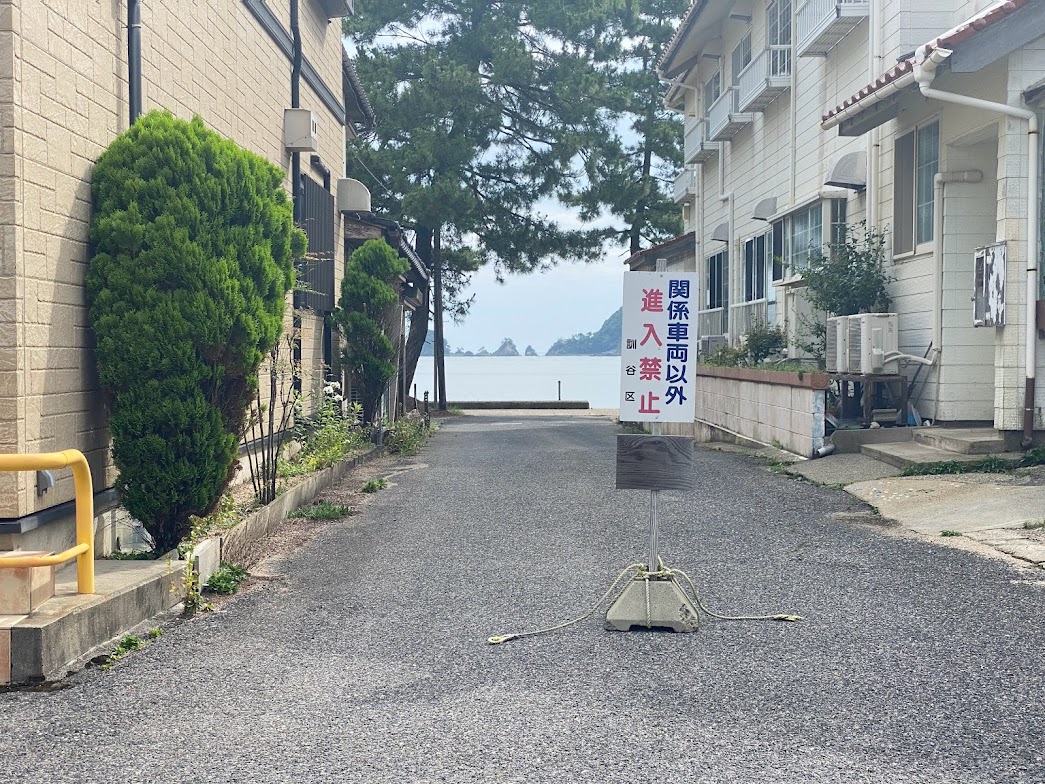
(83, 552)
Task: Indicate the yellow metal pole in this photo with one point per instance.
(84, 550)
(84, 519)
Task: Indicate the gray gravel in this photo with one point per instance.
(367, 663)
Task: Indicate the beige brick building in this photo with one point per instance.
(64, 96)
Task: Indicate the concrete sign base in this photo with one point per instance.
(652, 603)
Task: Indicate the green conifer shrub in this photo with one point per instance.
(367, 312)
(193, 244)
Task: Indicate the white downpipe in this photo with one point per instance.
(872, 139)
(794, 103)
(724, 197)
(924, 71)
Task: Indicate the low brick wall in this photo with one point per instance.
(766, 406)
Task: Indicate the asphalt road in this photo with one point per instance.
(368, 662)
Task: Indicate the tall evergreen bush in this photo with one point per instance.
(367, 312)
(193, 245)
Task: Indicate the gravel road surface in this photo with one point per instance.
(364, 659)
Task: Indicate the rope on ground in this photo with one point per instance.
(702, 606)
(641, 573)
(497, 639)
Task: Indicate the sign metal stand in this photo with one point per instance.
(654, 598)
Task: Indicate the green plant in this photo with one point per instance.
(367, 312)
(373, 485)
(325, 440)
(850, 278)
(727, 356)
(192, 244)
(154, 633)
(324, 510)
(127, 644)
(264, 427)
(407, 435)
(1034, 525)
(227, 579)
(949, 533)
(763, 341)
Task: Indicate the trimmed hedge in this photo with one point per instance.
(193, 245)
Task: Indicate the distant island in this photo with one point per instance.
(604, 343)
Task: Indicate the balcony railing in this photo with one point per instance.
(725, 117)
(713, 322)
(821, 24)
(697, 147)
(765, 77)
(685, 185)
(745, 315)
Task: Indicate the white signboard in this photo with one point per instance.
(658, 351)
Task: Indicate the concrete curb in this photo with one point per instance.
(237, 542)
(66, 628)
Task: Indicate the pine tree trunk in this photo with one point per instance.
(419, 318)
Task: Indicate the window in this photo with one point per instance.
(794, 237)
(916, 162)
(741, 58)
(718, 281)
(838, 213)
(712, 90)
(778, 15)
(803, 231)
(756, 263)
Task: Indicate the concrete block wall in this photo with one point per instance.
(762, 409)
(63, 98)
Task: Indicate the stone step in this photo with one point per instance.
(914, 453)
(967, 441)
(911, 453)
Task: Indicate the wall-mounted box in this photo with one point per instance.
(300, 130)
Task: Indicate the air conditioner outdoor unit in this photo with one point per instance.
(300, 130)
(709, 344)
(837, 344)
(873, 337)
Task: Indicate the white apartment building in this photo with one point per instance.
(805, 115)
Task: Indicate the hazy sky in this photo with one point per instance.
(539, 308)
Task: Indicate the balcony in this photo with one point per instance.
(725, 117)
(747, 314)
(697, 147)
(713, 322)
(821, 24)
(685, 185)
(765, 77)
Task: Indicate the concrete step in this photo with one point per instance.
(910, 453)
(914, 453)
(42, 645)
(967, 441)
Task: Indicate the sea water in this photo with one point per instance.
(595, 379)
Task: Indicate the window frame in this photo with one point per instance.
(831, 216)
(914, 168)
(716, 79)
(717, 277)
(757, 266)
(738, 67)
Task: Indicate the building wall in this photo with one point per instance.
(70, 72)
